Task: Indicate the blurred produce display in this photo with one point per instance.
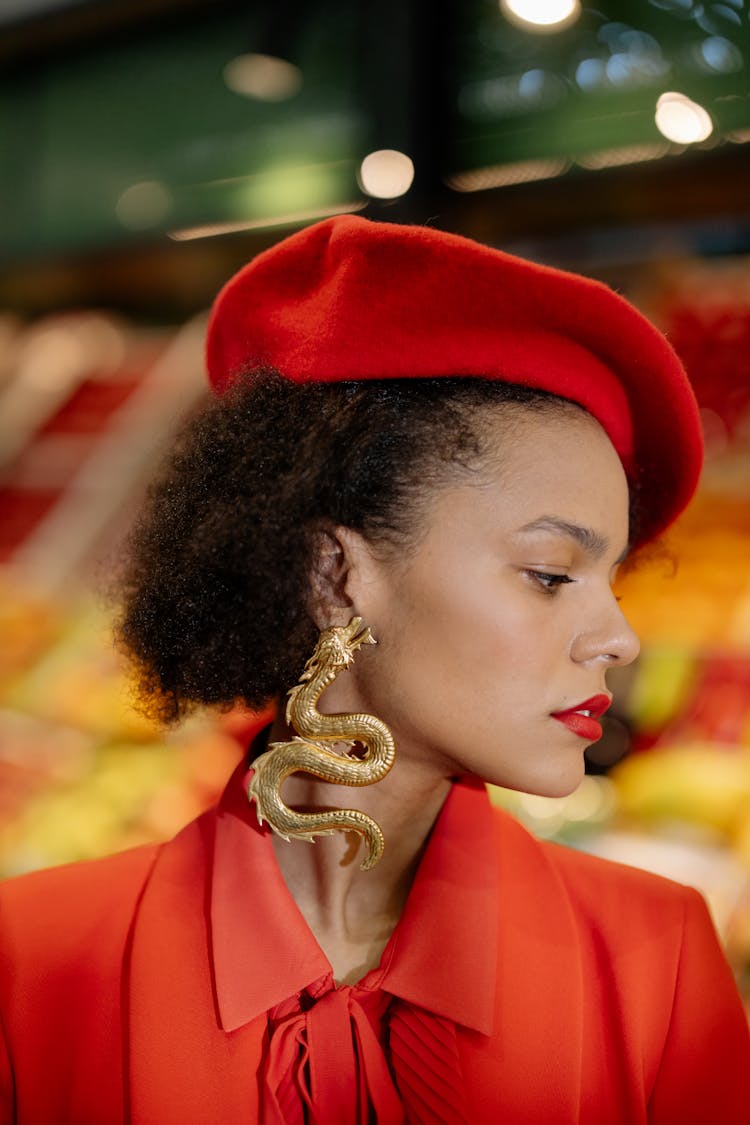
(87, 404)
(81, 774)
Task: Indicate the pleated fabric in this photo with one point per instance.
(352, 1056)
(426, 1065)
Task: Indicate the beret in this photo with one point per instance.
(349, 298)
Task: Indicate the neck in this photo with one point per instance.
(353, 912)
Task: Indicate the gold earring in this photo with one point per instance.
(333, 653)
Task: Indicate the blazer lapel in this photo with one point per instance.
(532, 1072)
(181, 1066)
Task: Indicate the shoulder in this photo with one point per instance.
(650, 937)
(87, 880)
(651, 961)
(622, 905)
(603, 884)
(70, 907)
(56, 913)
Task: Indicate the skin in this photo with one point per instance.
(502, 614)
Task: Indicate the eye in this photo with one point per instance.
(548, 582)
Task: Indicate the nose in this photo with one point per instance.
(607, 637)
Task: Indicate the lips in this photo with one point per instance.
(582, 719)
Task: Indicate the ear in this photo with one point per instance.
(340, 559)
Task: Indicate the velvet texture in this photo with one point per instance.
(348, 298)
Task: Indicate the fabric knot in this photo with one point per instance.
(326, 1064)
(332, 1058)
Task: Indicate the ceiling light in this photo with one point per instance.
(386, 174)
(265, 77)
(143, 205)
(682, 120)
(541, 15)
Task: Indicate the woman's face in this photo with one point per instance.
(502, 619)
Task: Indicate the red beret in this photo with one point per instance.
(349, 298)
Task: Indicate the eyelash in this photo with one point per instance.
(549, 582)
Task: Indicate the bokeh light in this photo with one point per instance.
(265, 77)
(682, 120)
(542, 15)
(386, 174)
(143, 205)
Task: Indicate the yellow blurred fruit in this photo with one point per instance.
(699, 784)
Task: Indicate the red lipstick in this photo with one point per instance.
(582, 719)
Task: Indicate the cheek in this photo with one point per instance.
(448, 650)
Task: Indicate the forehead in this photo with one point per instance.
(527, 440)
(546, 463)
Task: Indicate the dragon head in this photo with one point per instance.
(336, 648)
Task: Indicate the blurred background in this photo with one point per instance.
(150, 147)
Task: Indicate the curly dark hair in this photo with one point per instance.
(215, 586)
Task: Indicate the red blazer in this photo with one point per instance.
(612, 1001)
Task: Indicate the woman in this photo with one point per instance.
(424, 443)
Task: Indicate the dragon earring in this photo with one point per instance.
(333, 653)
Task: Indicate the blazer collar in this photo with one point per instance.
(264, 951)
(183, 1062)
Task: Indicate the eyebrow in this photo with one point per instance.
(591, 541)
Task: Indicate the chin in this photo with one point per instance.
(562, 787)
(546, 783)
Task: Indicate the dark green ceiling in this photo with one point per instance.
(593, 86)
(82, 125)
